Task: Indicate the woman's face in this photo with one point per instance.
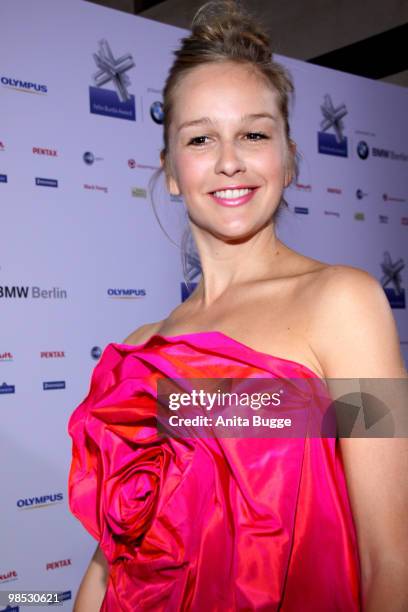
(226, 134)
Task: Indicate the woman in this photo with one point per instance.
(228, 152)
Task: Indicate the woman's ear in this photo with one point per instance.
(290, 166)
(171, 183)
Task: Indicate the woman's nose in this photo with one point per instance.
(229, 161)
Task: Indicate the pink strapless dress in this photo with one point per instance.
(205, 524)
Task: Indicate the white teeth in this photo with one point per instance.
(228, 194)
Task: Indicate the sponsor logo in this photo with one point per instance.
(328, 143)
(363, 150)
(2, 146)
(90, 187)
(89, 158)
(118, 103)
(28, 503)
(383, 218)
(8, 576)
(10, 609)
(176, 198)
(134, 164)
(36, 292)
(53, 384)
(332, 213)
(96, 352)
(41, 151)
(360, 194)
(187, 291)
(335, 190)
(126, 294)
(303, 187)
(139, 192)
(25, 86)
(52, 354)
(46, 182)
(301, 210)
(388, 154)
(7, 389)
(156, 112)
(3, 178)
(359, 216)
(58, 564)
(404, 220)
(392, 276)
(6, 356)
(388, 198)
(64, 595)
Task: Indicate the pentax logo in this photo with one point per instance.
(51, 354)
(42, 151)
(57, 564)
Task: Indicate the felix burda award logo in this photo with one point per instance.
(118, 102)
(392, 280)
(329, 143)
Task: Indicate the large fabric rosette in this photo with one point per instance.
(218, 524)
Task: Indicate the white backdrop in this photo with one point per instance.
(84, 262)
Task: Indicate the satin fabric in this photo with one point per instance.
(208, 524)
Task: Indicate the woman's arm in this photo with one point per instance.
(93, 586)
(357, 339)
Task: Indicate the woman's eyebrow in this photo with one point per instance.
(208, 121)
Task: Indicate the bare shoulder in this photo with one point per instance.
(353, 331)
(142, 333)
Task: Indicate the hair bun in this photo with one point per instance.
(227, 19)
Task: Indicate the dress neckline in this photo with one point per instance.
(223, 335)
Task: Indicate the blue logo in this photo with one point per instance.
(43, 500)
(23, 85)
(187, 291)
(363, 150)
(3, 178)
(156, 112)
(301, 210)
(96, 352)
(5, 388)
(360, 194)
(392, 276)
(46, 182)
(383, 218)
(119, 103)
(53, 384)
(62, 596)
(88, 158)
(332, 144)
(127, 293)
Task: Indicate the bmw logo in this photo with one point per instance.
(363, 150)
(88, 158)
(156, 112)
(96, 352)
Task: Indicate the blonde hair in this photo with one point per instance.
(223, 31)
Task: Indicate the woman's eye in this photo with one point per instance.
(256, 135)
(197, 141)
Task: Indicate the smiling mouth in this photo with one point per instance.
(232, 194)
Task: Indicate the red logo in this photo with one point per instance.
(57, 564)
(11, 575)
(335, 190)
(50, 354)
(41, 151)
(2, 147)
(303, 187)
(6, 357)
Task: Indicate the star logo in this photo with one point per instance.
(332, 117)
(111, 69)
